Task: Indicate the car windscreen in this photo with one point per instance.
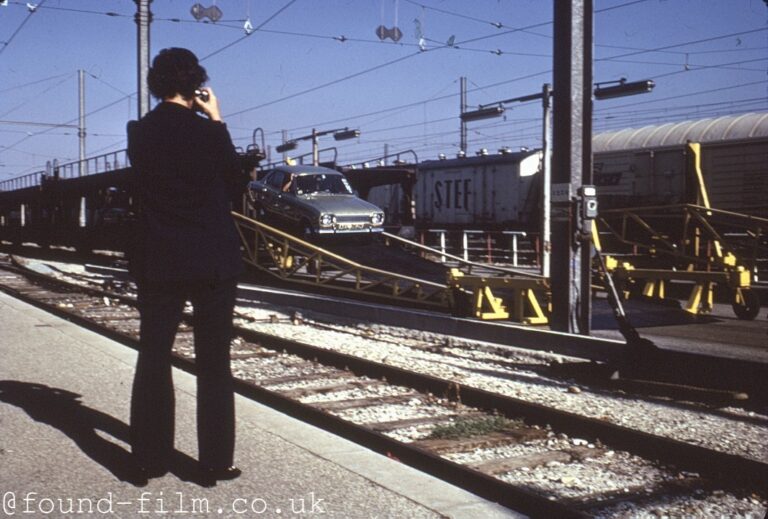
(275, 179)
(332, 184)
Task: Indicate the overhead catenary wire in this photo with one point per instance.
(419, 103)
(684, 44)
(92, 112)
(256, 29)
(35, 96)
(35, 82)
(450, 131)
(691, 68)
(527, 132)
(500, 25)
(339, 80)
(685, 53)
(72, 9)
(224, 24)
(686, 95)
(422, 103)
(374, 68)
(327, 84)
(349, 118)
(6, 43)
(615, 114)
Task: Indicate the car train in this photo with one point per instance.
(84, 212)
(649, 166)
(652, 165)
(633, 167)
(313, 201)
(85, 205)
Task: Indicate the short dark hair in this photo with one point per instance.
(175, 71)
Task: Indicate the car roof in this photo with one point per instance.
(314, 170)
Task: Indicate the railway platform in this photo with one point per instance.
(64, 406)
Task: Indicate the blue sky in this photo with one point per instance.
(320, 63)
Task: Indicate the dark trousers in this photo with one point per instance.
(152, 404)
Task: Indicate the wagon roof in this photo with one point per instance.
(727, 128)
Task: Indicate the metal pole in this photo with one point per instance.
(570, 83)
(315, 151)
(285, 139)
(143, 19)
(81, 164)
(81, 121)
(585, 314)
(514, 250)
(462, 109)
(442, 246)
(546, 186)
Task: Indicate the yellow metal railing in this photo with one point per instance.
(287, 257)
(697, 251)
(686, 234)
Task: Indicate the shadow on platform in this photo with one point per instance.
(645, 314)
(64, 411)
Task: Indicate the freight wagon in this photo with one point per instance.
(652, 166)
(86, 205)
(648, 166)
(491, 192)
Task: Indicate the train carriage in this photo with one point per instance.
(496, 191)
(652, 166)
(648, 166)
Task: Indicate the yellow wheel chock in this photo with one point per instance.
(487, 306)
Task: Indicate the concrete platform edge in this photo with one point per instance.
(421, 489)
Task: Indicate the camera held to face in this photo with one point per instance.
(203, 95)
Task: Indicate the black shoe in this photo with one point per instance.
(222, 474)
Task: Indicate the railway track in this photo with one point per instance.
(499, 447)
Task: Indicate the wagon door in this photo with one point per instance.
(668, 176)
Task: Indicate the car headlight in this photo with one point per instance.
(377, 218)
(326, 220)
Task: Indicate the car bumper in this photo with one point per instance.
(352, 230)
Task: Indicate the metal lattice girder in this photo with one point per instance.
(287, 257)
(738, 278)
(702, 294)
(653, 230)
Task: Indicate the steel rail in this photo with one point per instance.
(730, 470)
(661, 366)
(486, 486)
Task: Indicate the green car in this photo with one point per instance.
(313, 201)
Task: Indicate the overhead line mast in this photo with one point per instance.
(143, 19)
(571, 166)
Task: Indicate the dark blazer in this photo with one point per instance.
(186, 174)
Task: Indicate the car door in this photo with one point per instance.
(272, 193)
(263, 196)
(290, 202)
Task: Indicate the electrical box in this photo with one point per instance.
(588, 202)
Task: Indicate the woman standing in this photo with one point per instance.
(186, 249)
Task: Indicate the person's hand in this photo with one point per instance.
(211, 106)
